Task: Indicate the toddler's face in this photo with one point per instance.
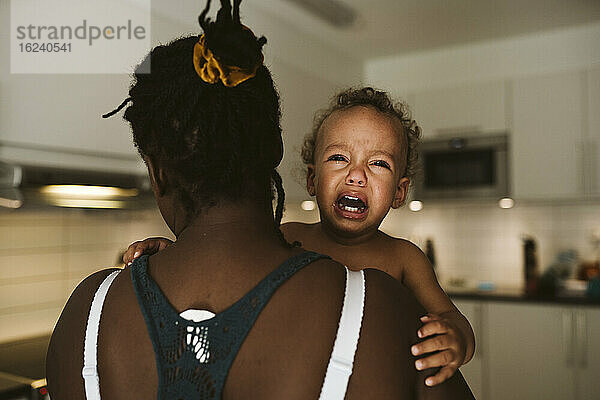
(360, 158)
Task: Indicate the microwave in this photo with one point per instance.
(463, 167)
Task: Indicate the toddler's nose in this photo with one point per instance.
(356, 177)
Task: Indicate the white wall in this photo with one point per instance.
(45, 254)
(574, 48)
(482, 242)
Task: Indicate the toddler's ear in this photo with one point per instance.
(310, 179)
(401, 192)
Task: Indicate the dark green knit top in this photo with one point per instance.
(193, 358)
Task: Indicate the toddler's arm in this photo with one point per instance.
(450, 332)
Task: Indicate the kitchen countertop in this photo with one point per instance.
(21, 363)
(25, 357)
(519, 295)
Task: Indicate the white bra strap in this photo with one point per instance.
(90, 362)
(342, 356)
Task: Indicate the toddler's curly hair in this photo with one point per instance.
(380, 101)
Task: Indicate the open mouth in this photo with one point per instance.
(351, 206)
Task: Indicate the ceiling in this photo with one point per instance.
(386, 27)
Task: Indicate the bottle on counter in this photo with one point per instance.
(530, 265)
(429, 252)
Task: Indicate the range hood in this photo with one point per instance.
(37, 186)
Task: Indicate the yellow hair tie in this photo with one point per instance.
(210, 69)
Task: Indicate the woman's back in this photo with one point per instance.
(286, 352)
(205, 116)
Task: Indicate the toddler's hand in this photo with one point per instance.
(447, 342)
(147, 246)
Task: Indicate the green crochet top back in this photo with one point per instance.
(193, 358)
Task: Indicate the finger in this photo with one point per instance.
(432, 328)
(442, 375)
(138, 250)
(152, 245)
(430, 317)
(441, 359)
(147, 246)
(163, 244)
(437, 343)
(128, 255)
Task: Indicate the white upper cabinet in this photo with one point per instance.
(472, 108)
(591, 151)
(60, 112)
(64, 111)
(547, 136)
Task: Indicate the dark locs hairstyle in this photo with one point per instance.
(215, 142)
(380, 101)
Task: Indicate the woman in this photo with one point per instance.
(230, 310)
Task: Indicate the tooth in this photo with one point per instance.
(353, 209)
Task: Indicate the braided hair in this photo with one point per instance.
(216, 142)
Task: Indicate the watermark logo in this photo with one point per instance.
(78, 36)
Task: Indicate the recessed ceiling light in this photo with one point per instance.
(506, 202)
(308, 205)
(415, 205)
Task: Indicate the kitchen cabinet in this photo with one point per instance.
(64, 112)
(587, 324)
(61, 111)
(473, 370)
(592, 138)
(55, 119)
(474, 108)
(547, 140)
(553, 121)
(530, 351)
(533, 351)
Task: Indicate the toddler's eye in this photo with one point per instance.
(381, 163)
(336, 157)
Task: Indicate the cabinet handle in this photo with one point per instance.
(592, 166)
(478, 326)
(567, 336)
(581, 329)
(583, 167)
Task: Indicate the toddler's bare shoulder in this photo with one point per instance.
(388, 286)
(392, 297)
(404, 248)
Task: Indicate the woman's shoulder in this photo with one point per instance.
(297, 228)
(385, 296)
(64, 360)
(81, 298)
